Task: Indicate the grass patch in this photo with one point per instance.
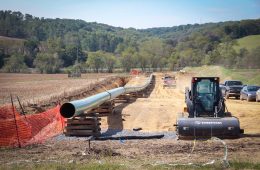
(247, 76)
(244, 165)
(234, 165)
(66, 166)
(249, 42)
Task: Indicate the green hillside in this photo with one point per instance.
(68, 41)
(249, 42)
(247, 76)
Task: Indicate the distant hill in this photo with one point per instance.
(39, 39)
(249, 42)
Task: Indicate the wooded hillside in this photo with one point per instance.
(51, 44)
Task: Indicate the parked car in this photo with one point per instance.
(249, 93)
(221, 87)
(257, 98)
(169, 82)
(231, 88)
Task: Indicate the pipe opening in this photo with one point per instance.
(67, 110)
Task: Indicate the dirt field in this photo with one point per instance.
(157, 113)
(41, 87)
(39, 92)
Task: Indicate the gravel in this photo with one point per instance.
(120, 133)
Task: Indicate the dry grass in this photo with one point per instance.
(131, 154)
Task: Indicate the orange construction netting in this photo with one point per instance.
(18, 130)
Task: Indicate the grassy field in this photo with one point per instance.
(11, 43)
(247, 76)
(248, 42)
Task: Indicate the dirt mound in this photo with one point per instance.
(93, 88)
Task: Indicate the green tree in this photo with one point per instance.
(47, 63)
(110, 61)
(2, 56)
(154, 49)
(15, 64)
(227, 54)
(69, 55)
(172, 61)
(96, 60)
(54, 45)
(31, 49)
(128, 59)
(143, 57)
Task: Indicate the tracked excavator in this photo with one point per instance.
(207, 113)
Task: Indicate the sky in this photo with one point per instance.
(139, 13)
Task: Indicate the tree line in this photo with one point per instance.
(52, 44)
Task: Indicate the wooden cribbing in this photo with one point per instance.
(88, 124)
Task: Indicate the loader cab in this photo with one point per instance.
(205, 95)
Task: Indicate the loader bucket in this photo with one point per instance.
(227, 127)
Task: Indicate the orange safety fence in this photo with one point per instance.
(18, 130)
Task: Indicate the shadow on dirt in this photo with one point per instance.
(251, 135)
(115, 120)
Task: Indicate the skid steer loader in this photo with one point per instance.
(207, 116)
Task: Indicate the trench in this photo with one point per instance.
(92, 89)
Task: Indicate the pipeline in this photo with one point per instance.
(77, 107)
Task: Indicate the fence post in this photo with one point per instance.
(17, 133)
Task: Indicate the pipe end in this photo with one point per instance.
(67, 110)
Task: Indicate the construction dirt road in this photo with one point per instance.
(155, 113)
(158, 112)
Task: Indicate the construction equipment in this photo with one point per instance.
(206, 112)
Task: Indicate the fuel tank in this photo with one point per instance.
(226, 127)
